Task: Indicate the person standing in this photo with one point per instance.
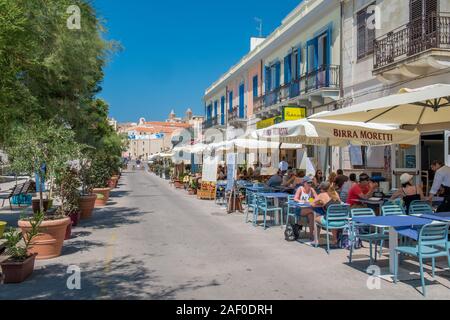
(340, 180)
(441, 185)
(283, 166)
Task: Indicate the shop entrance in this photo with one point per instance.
(434, 146)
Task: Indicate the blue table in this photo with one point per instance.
(276, 196)
(396, 224)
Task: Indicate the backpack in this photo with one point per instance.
(344, 241)
(292, 232)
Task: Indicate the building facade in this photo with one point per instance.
(389, 45)
(293, 73)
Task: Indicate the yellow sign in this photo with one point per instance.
(268, 123)
(294, 113)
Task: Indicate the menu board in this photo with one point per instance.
(209, 173)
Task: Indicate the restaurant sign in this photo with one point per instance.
(291, 113)
(268, 122)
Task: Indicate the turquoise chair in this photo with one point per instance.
(337, 218)
(263, 207)
(420, 208)
(391, 210)
(290, 213)
(251, 204)
(370, 237)
(432, 243)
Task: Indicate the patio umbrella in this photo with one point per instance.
(426, 105)
(337, 133)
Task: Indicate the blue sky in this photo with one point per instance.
(173, 50)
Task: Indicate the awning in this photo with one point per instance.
(427, 105)
(337, 133)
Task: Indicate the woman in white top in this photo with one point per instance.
(303, 195)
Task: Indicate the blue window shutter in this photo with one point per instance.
(268, 79)
(255, 86)
(209, 112)
(299, 62)
(222, 110)
(216, 112)
(288, 68)
(241, 100)
(230, 101)
(313, 43)
(277, 74)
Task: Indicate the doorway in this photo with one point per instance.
(432, 148)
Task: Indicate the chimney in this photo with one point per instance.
(255, 41)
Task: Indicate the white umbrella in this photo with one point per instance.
(427, 105)
(337, 133)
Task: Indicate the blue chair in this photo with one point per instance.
(370, 237)
(337, 218)
(420, 208)
(432, 243)
(392, 210)
(264, 208)
(251, 204)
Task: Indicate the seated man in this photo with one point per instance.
(362, 190)
(275, 180)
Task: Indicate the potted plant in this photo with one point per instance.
(87, 198)
(53, 145)
(20, 263)
(101, 174)
(68, 184)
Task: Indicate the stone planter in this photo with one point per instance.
(102, 196)
(17, 271)
(87, 204)
(48, 243)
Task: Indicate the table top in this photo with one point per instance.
(258, 189)
(440, 216)
(276, 195)
(393, 221)
(300, 204)
(368, 201)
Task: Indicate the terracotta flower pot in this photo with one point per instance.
(87, 204)
(17, 272)
(68, 234)
(36, 205)
(101, 200)
(75, 217)
(48, 243)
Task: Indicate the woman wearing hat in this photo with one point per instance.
(408, 192)
(306, 194)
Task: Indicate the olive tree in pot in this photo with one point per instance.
(87, 198)
(101, 174)
(53, 145)
(68, 184)
(20, 262)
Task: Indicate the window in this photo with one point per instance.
(366, 35)
(288, 69)
(255, 86)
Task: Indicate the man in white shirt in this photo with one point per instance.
(441, 180)
(283, 166)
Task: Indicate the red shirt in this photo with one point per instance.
(355, 191)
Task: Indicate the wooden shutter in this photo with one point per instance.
(361, 37)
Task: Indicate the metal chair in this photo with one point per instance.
(265, 208)
(337, 218)
(419, 208)
(432, 243)
(369, 237)
(251, 204)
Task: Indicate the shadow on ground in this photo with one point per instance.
(113, 218)
(121, 278)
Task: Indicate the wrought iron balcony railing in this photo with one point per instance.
(235, 116)
(210, 123)
(325, 76)
(428, 32)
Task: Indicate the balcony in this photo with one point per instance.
(207, 124)
(312, 88)
(234, 118)
(417, 48)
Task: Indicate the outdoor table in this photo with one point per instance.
(276, 196)
(377, 203)
(395, 224)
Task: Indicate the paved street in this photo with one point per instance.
(155, 242)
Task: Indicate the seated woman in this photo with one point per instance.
(408, 192)
(303, 195)
(328, 196)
